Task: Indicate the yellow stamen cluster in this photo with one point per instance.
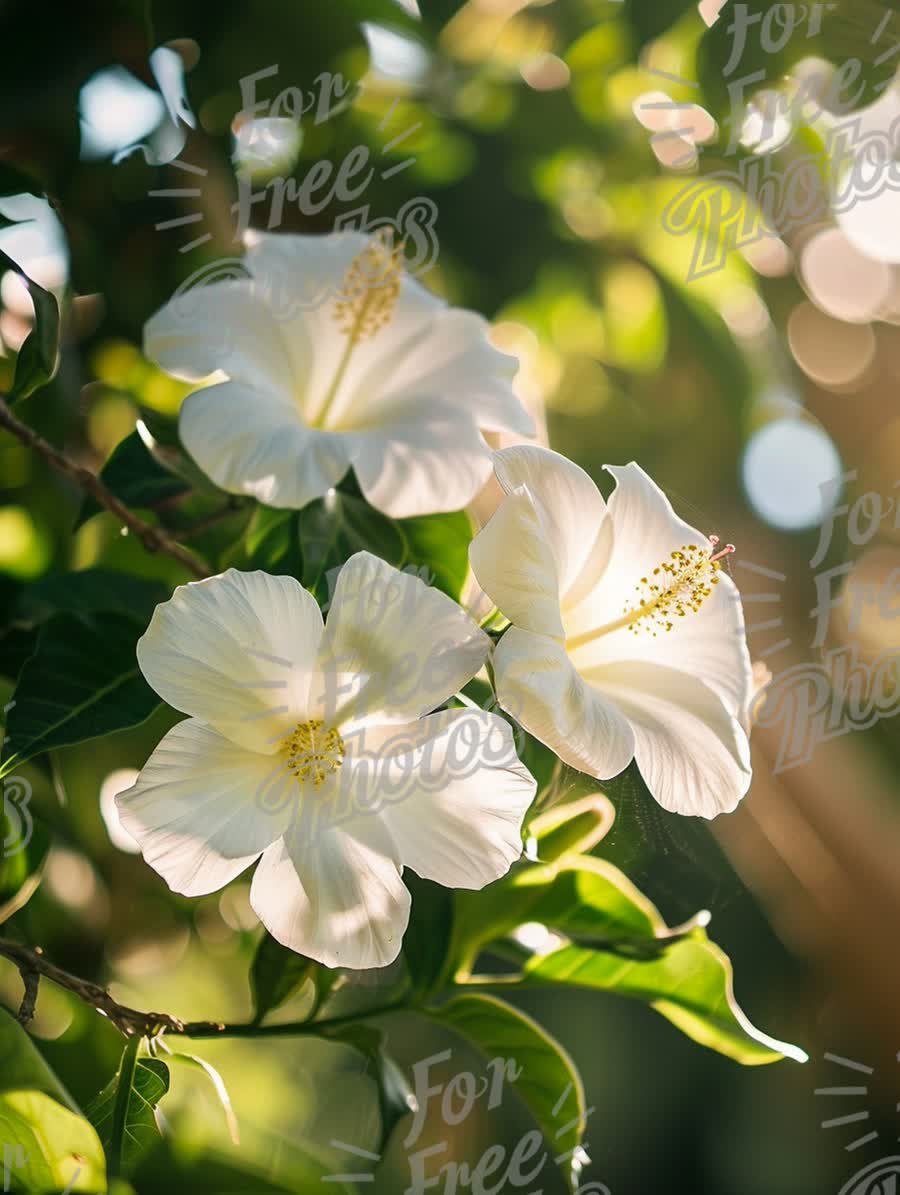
(679, 586)
(313, 751)
(370, 289)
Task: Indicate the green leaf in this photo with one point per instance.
(88, 591)
(333, 528)
(124, 1112)
(24, 845)
(436, 13)
(395, 1096)
(618, 943)
(691, 984)
(219, 1087)
(572, 828)
(278, 973)
(843, 35)
(436, 547)
(136, 478)
(14, 181)
(272, 542)
(17, 644)
(50, 1142)
(175, 1166)
(583, 897)
(536, 1066)
(426, 943)
(83, 681)
(440, 544)
(39, 355)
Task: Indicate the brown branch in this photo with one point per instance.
(153, 538)
(33, 966)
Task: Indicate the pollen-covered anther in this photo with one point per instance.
(676, 587)
(313, 752)
(370, 289)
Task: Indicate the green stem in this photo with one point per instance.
(291, 1028)
(127, 1067)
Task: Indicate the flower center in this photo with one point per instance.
(677, 587)
(371, 286)
(365, 303)
(313, 752)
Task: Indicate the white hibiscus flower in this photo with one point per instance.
(315, 749)
(627, 639)
(335, 358)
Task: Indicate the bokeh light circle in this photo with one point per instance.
(785, 465)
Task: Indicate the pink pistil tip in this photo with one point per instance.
(726, 551)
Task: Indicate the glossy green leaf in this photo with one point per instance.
(839, 32)
(14, 181)
(334, 528)
(426, 943)
(124, 1112)
(39, 355)
(24, 844)
(571, 828)
(174, 1166)
(136, 478)
(218, 1085)
(616, 940)
(395, 1096)
(438, 545)
(536, 1066)
(16, 646)
(278, 973)
(583, 897)
(690, 984)
(82, 681)
(89, 591)
(52, 1147)
(272, 542)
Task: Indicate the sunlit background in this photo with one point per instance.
(761, 394)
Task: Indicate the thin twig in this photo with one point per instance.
(31, 980)
(33, 966)
(129, 1021)
(153, 538)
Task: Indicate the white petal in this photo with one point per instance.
(693, 755)
(340, 899)
(411, 646)
(237, 651)
(710, 643)
(198, 809)
(427, 462)
(514, 564)
(304, 276)
(221, 326)
(452, 792)
(448, 360)
(426, 353)
(253, 442)
(538, 685)
(571, 508)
